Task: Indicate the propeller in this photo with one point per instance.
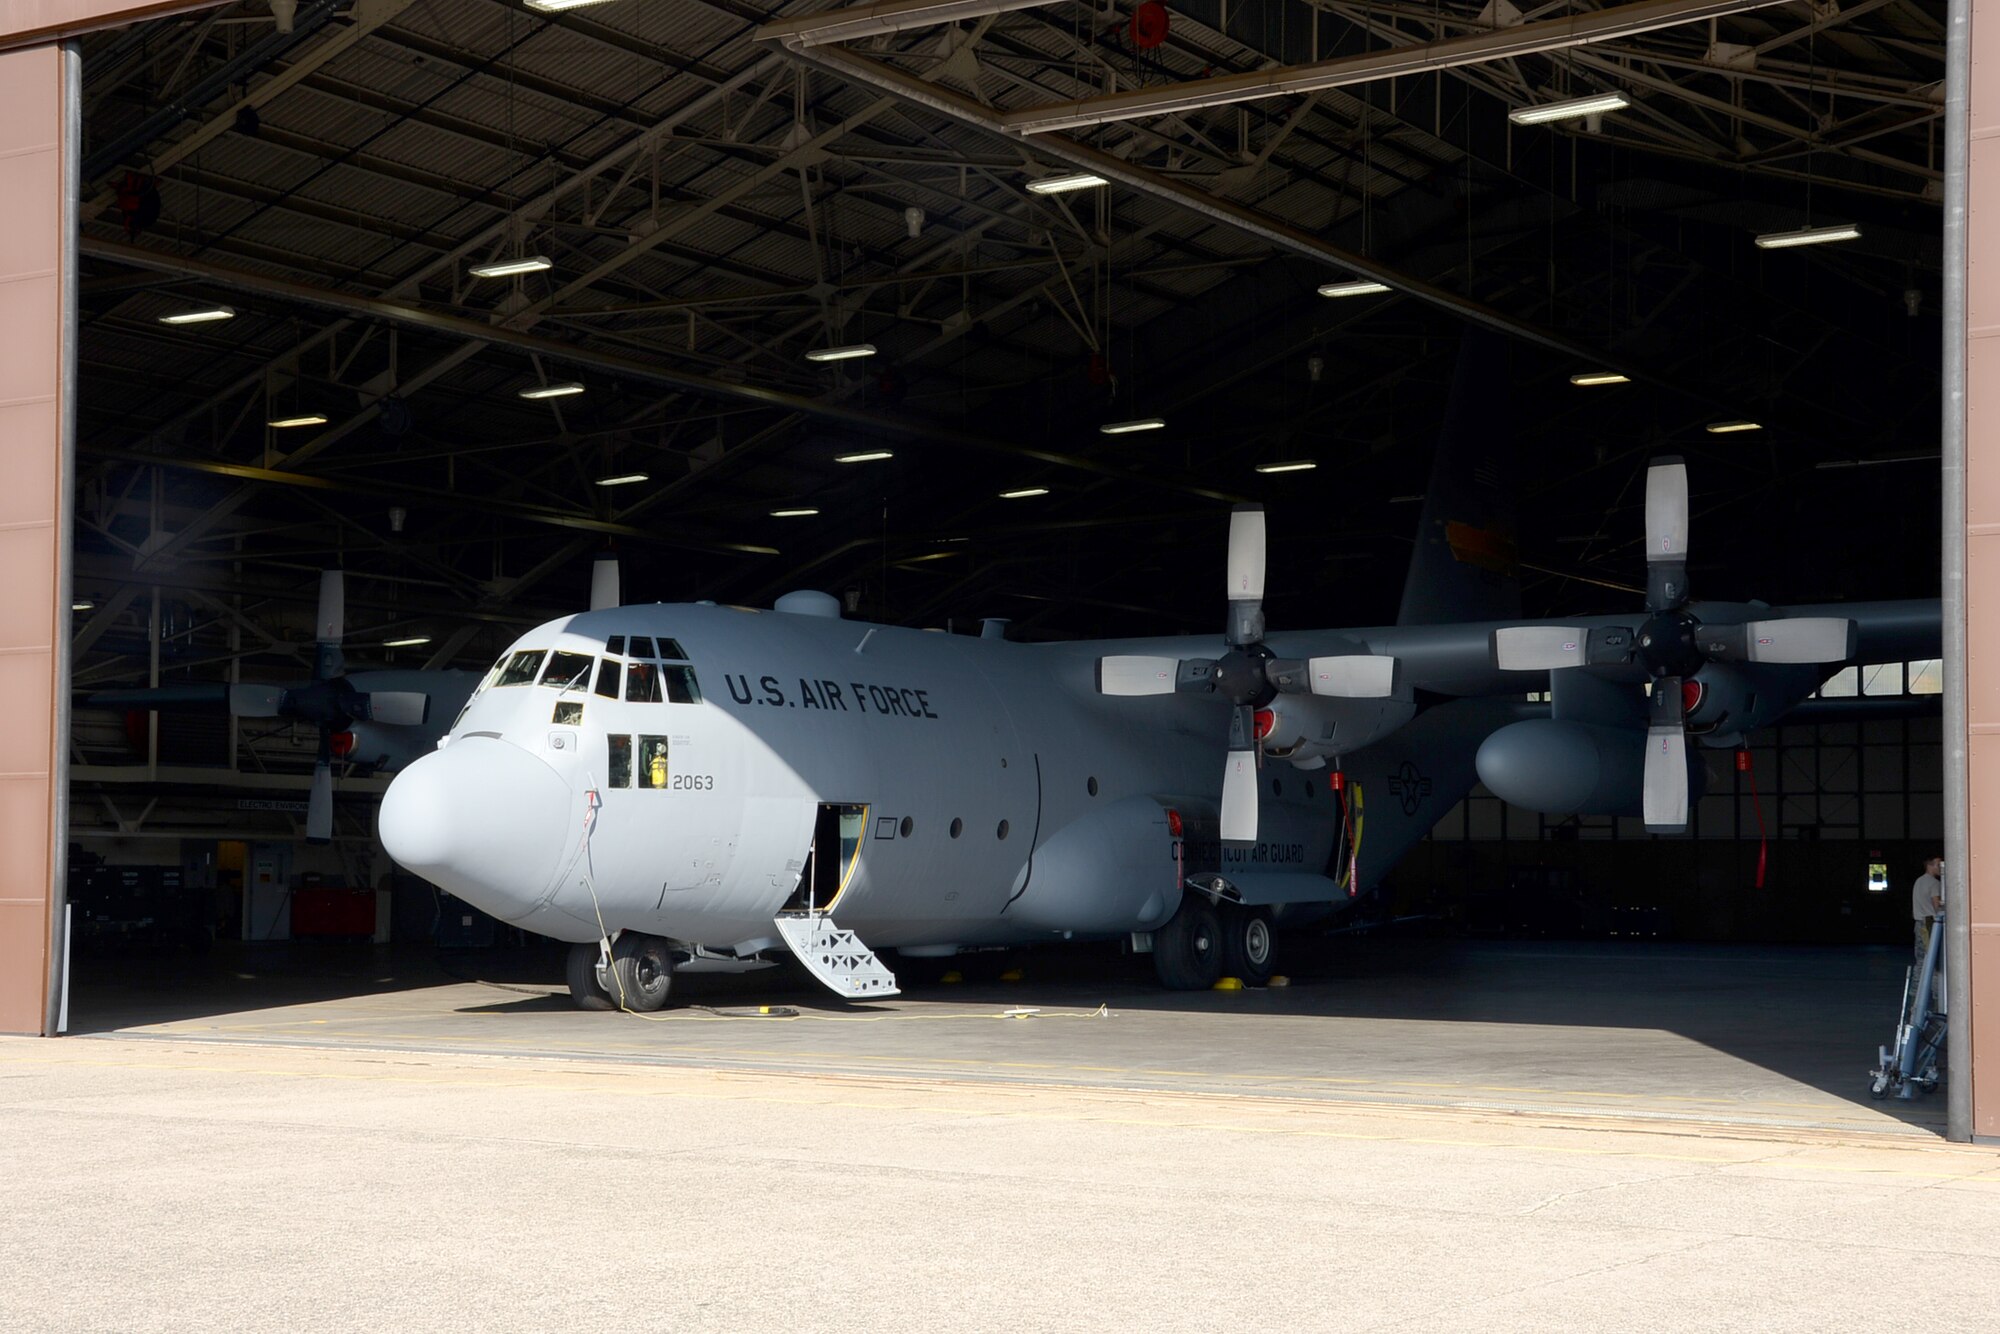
(1249, 675)
(1672, 644)
(329, 700)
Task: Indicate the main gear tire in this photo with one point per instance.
(1187, 951)
(642, 970)
(1249, 949)
(584, 987)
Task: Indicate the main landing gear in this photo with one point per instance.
(640, 976)
(1204, 942)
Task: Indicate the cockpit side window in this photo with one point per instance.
(642, 683)
(682, 688)
(671, 648)
(568, 671)
(642, 647)
(620, 774)
(520, 669)
(607, 678)
(615, 646)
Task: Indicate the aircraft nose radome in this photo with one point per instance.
(483, 819)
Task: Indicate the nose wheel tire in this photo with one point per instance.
(1248, 950)
(584, 988)
(642, 972)
(1187, 951)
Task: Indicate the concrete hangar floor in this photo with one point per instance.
(1417, 1134)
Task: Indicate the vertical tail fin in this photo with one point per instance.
(1464, 567)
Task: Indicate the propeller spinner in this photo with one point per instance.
(1672, 644)
(1249, 675)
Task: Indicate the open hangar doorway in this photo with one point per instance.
(692, 189)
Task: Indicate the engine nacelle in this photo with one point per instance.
(1571, 768)
(1307, 728)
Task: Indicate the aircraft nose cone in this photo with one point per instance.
(483, 819)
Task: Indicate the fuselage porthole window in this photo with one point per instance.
(1001, 832)
(908, 827)
(642, 647)
(1091, 787)
(642, 683)
(620, 774)
(520, 669)
(653, 762)
(607, 678)
(682, 688)
(957, 826)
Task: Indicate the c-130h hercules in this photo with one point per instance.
(695, 787)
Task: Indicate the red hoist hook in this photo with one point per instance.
(1743, 766)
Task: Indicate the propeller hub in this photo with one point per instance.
(1240, 678)
(1667, 644)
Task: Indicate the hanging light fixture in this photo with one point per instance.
(1126, 428)
(1732, 427)
(846, 352)
(302, 419)
(507, 268)
(201, 315)
(866, 456)
(1599, 377)
(1295, 465)
(1573, 109)
(794, 514)
(1356, 287)
(1062, 185)
(412, 642)
(564, 389)
(1808, 236)
(625, 479)
(1024, 493)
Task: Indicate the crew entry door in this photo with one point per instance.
(838, 834)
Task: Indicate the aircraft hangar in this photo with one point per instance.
(982, 317)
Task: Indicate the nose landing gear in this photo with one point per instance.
(640, 976)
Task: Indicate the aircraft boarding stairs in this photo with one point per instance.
(830, 952)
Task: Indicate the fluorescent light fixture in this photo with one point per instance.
(1296, 465)
(625, 479)
(1126, 428)
(558, 6)
(1358, 287)
(303, 419)
(1024, 493)
(793, 514)
(866, 456)
(1059, 185)
(82, 606)
(205, 315)
(412, 642)
(1599, 377)
(1808, 236)
(846, 353)
(1731, 428)
(507, 268)
(1570, 110)
(562, 390)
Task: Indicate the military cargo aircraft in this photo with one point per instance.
(697, 787)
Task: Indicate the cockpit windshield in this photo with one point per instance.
(568, 671)
(520, 669)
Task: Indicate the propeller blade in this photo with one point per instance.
(1246, 575)
(1540, 648)
(1239, 797)
(395, 708)
(257, 701)
(1666, 533)
(208, 698)
(604, 593)
(1344, 676)
(1136, 674)
(1665, 793)
(1804, 639)
(331, 625)
(319, 809)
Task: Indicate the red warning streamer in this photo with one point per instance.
(1744, 767)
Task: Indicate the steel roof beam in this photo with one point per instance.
(878, 20)
(1556, 34)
